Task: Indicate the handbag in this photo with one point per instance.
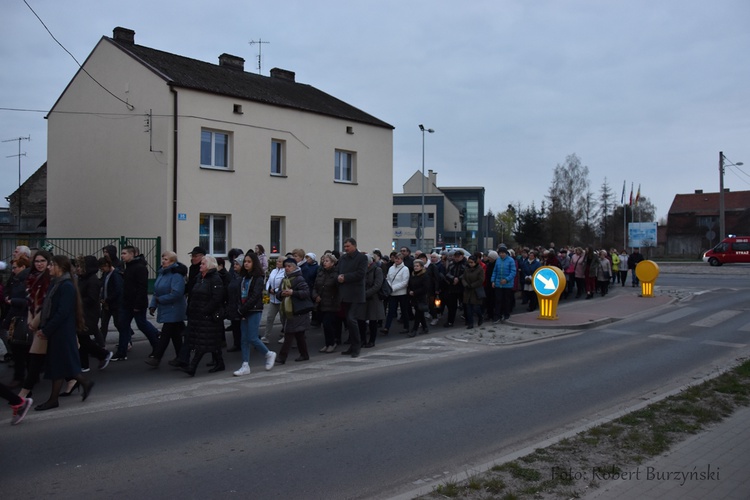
(385, 290)
(606, 275)
(301, 306)
(481, 293)
(18, 331)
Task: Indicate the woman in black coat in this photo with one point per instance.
(17, 301)
(61, 318)
(374, 311)
(325, 293)
(418, 290)
(294, 285)
(89, 288)
(205, 317)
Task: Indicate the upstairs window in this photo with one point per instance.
(278, 157)
(214, 149)
(344, 168)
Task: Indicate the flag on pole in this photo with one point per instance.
(638, 195)
(622, 198)
(630, 203)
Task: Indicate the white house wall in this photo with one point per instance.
(307, 196)
(102, 179)
(106, 178)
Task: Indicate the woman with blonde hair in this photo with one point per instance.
(205, 317)
(168, 302)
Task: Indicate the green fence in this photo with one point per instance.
(150, 248)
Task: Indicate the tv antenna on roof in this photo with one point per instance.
(260, 43)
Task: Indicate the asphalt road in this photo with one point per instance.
(400, 416)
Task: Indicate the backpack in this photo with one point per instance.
(385, 290)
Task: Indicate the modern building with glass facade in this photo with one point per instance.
(454, 216)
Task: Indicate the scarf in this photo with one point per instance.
(287, 309)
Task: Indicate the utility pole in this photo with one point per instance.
(19, 155)
(260, 43)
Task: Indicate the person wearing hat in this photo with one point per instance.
(503, 276)
(196, 255)
(294, 285)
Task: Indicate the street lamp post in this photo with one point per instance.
(420, 239)
(722, 161)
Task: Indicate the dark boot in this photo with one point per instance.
(219, 363)
(193, 365)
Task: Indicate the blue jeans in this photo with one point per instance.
(250, 327)
(126, 316)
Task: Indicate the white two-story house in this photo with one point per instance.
(148, 143)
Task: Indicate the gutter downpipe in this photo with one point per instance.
(174, 169)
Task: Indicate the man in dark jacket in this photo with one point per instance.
(452, 288)
(352, 272)
(633, 261)
(134, 302)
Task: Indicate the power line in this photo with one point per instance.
(130, 106)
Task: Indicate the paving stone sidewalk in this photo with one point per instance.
(713, 464)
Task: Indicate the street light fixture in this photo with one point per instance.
(722, 161)
(420, 239)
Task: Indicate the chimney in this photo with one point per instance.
(232, 62)
(698, 191)
(432, 176)
(284, 74)
(124, 35)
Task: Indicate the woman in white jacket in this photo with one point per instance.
(398, 278)
(273, 285)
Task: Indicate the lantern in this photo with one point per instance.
(437, 302)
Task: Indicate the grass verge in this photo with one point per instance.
(572, 467)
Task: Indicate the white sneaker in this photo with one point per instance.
(434, 321)
(244, 370)
(270, 359)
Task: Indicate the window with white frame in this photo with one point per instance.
(278, 157)
(344, 168)
(214, 149)
(213, 234)
(277, 234)
(342, 229)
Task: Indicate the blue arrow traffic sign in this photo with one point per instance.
(546, 281)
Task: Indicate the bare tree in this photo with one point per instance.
(570, 183)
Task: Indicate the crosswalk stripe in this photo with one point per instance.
(723, 344)
(680, 313)
(667, 337)
(716, 318)
(745, 328)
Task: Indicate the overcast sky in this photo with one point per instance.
(646, 92)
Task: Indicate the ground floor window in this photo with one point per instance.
(213, 234)
(342, 229)
(277, 234)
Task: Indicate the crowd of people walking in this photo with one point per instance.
(57, 311)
